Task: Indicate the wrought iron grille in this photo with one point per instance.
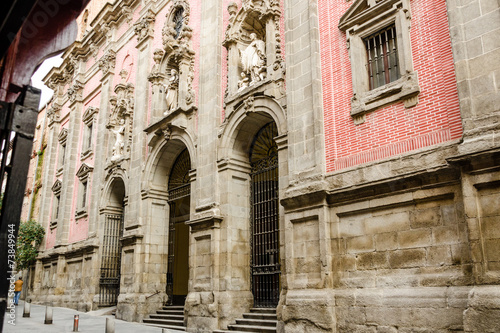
(265, 265)
(382, 53)
(109, 282)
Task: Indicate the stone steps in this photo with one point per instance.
(258, 320)
(171, 317)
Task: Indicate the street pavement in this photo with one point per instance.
(62, 321)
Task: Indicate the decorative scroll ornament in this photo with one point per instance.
(54, 113)
(107, 62)
(69, 70)
(167, 133)
(75, 92)
(248, 104)
(144, 27)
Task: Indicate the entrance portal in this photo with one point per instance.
(109, 281)
(265, 265)
(179, 197)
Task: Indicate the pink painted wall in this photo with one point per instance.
(391, 130)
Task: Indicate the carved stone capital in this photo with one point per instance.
(144, 27)
(75, 92)
(54, 113)
(107, 62)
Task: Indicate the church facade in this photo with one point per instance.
(337, 161)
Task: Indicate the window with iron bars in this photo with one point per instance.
(382, 57)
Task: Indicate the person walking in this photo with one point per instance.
(18, 287)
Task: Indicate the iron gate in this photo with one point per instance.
(265, 265)
(109, 282)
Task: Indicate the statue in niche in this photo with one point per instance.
(119, 132)
(243, 83)
(253, 59)
(172, 89)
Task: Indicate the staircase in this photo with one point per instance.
(171, 317)
(259, 320)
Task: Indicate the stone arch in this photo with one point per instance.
(162, 157)
(114, 195)
(244, 122)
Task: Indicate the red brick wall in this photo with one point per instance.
(391, 130)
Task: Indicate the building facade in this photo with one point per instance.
(335, 160)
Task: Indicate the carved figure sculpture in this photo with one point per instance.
(253, 58)
(119, 132)
(243, 83)
(172, 88)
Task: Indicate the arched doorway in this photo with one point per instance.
(179, 198)
(109, 281)
(265, 259)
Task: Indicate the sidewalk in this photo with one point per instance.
(63, 322)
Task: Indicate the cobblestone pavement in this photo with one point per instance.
(63, 322)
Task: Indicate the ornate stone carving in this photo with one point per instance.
(127, 12)
(119, 132)
(107, 62)
(54, 113)
(253, 41)
(176, 34)
(121, 118)
(144, 27)
(248, 104)
(157, 57)
(253, 59)
(75, 92)
(190, 92)
(172, 89)
(167, 133)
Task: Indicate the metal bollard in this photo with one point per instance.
(76, 319)
(48, 315)
(110, 325)
(26, 310)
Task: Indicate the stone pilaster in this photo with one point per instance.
(75, 103)
(304, 107)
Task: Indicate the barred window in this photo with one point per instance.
(382, 53)
(83, 204)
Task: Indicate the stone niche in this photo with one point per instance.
(173, 71)
(120, 121)
(253, 46)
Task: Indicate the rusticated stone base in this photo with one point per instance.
(202, 310)
(483, 310)
(307, 310)
(134, 307)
